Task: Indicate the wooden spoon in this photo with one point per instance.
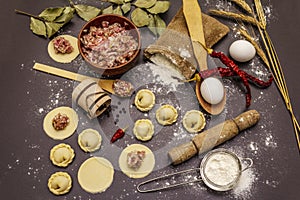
(105, 84)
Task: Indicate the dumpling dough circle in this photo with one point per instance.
(89, 140)
(64, 58)
(194, 121)
(146, 167)
(144, 100)
(66, 132)
(60, 183)
(143, 129)
(95, 174)
(166, 115)
(62, 155)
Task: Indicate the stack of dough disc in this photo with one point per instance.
(91, 97)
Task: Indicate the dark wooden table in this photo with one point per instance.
(27, 95)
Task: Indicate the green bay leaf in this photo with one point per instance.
(126, 7)
(120, 2)
(160, 24)
(152, 25)
(108, 10)
(87, 12)
(66, 15)
(140, 17)
(52, 28)
(118, 11)
(50, 14)
(144, 3)
(159, 7)
(38, 27)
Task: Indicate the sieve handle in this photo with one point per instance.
(140, 186)
(248, 162)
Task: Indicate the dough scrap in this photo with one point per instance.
(89, 140)
(166, 115)
(144, 100)
(60, 134)
(62, 155)
(145, 169)
(60, 183)
(194, 121)
(64, 58)
(95, 174)
(143, 129)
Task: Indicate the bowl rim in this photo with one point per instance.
(103, 69)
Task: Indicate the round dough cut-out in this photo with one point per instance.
(95, 174)
(62, 155)
(194, 121)
(89, 140)
(147, 164)
(166, 115)
(67, 131)
(64, 58)
(60, 183)
(143, 129)
(144, 100)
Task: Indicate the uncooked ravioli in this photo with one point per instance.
(67, 57)
(95, 174)
(147, 166)
(60, 183)
(89, 140)
(67, 131)
(166, 115)
(194, 121)
(62, 155)
(144, 100)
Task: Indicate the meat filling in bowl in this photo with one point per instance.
(110, 45)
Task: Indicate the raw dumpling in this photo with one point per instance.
(60, 183)
(146, 166)
(62, 155)
(194, 121)
(143, 129)
(89, 140)
(144, 100)
(166, 115)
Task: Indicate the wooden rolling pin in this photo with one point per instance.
(214, 136)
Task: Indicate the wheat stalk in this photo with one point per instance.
(275, 67)
(235, 16)
(244, 5)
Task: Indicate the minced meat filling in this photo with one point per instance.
(135, 159)
(60, 121)
(62, 45)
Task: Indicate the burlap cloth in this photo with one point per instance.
(174, 48)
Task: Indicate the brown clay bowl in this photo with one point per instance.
(97, 22)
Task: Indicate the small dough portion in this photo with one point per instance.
(60, 183)
(144, 100)
(66, 132)
(62, 155)
(143, 129)
(95, 174)
(145, 169)
(166, 115)
(89, 140)
(194, 121)
(64, 58)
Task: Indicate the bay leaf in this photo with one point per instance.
(160, 24)
(126, 7)
(38, 27)
(152, 25)
(52, 28)
(144, 3)
(120, 2)
(108, 10)
(87, 12)
(127, 1)
(140, 17)
(66, 15)
(159, 7)
(118, 11)
(50, 14)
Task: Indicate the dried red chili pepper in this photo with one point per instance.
(117, 135)
(233, 70)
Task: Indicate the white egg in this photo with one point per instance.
(212, 90)
(242, 51)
